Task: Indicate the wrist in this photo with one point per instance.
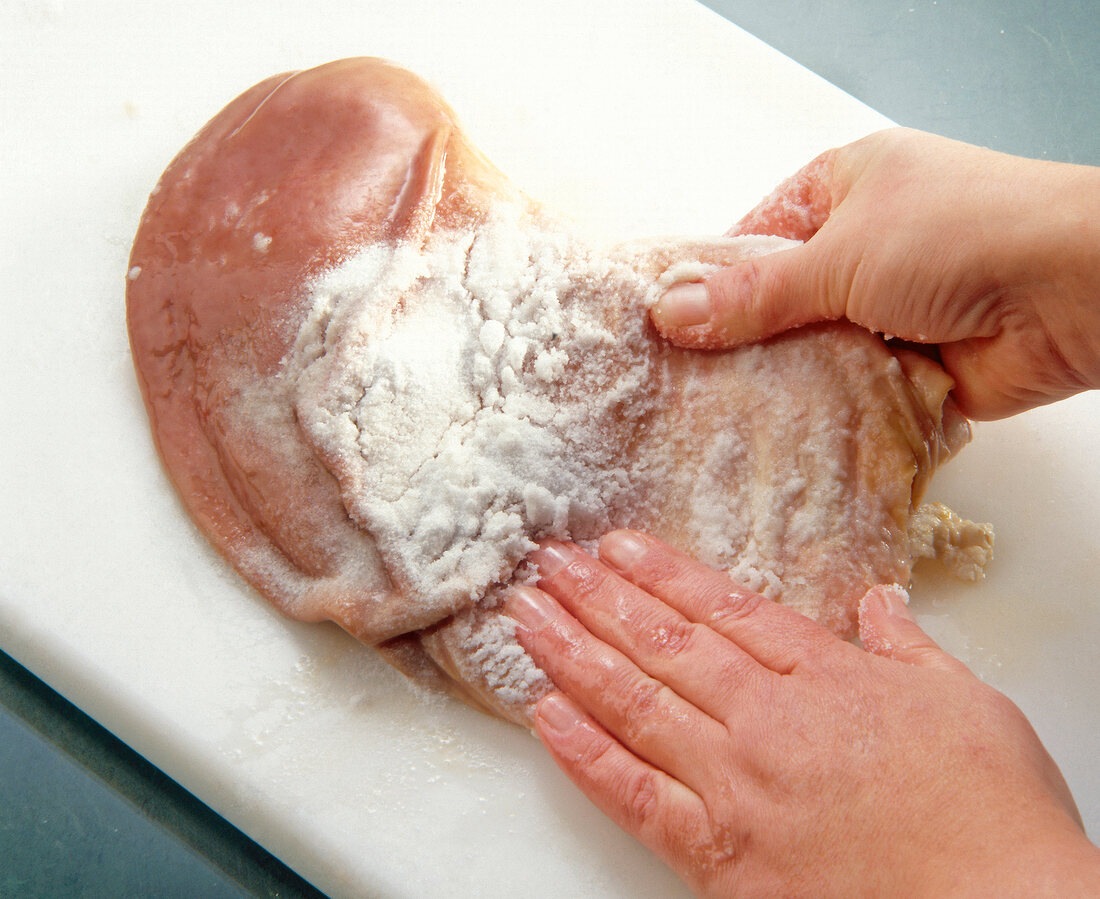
(1067, 263)
(1058, 862)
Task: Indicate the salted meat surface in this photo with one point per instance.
(378, 374)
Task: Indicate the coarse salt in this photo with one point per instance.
(457, 440)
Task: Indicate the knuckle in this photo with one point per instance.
(562, 648)
(584, 580)
(640, 699)
(580, 583)
(645, 710)
(594, 758)
(666, 636)
(668, 571)
(639, 793)
(1000, 706)
(735, 606)
(657, 568)
(630, 786)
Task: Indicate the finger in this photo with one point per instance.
(997, 377)
(887, 628)
(754, 299)
(769, 294)
(700, 664)
(656, 809)
(644, 714)
(777, 637)
(798, 207)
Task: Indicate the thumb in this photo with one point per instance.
(748, 301)
(887, 628)
(766, 294)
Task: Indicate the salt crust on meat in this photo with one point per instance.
(472, 399)
(497, 386)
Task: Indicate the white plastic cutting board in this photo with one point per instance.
(635, 117)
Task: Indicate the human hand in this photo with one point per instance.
(994, 258)
(759, 755)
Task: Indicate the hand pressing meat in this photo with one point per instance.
(989, 257)
(749, 748)
(378, 374)
(759, 755)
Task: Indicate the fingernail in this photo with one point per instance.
(622, 549)
(894, 601)
(560, 713)
(530, 607)
(684, 305)
(550, 558)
